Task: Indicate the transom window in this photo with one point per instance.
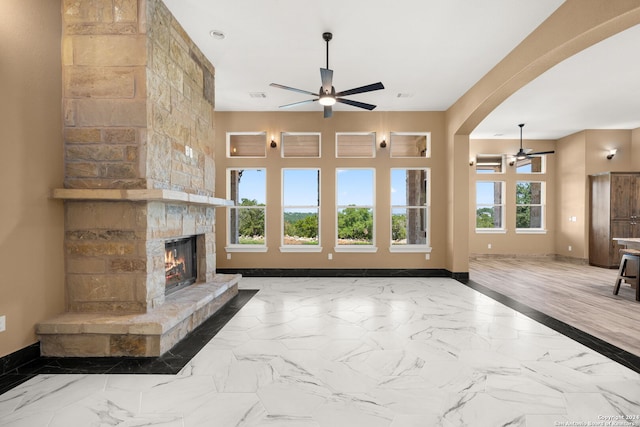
(489, 163)
(355, 144)
(410, 144)
(246, 144)
(531, 165)
(300, 144)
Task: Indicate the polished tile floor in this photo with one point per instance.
(354, 352)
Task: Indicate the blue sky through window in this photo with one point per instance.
(355, 187)
(300, 187)
(253, 185)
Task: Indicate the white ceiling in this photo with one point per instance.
(431, 51)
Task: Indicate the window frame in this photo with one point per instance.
(503, 216)
(478, 161)
(413, 247)
(356, 248)
(299, 248)
(427, 149)
(239, 247)
(228, 144)
(543, 166)
(373, 144)
(283, 136)
(543, 198)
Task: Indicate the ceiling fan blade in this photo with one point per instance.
(293, 89)
(356, 104)
(361, 89)
(539, 153)
(328, 111)
(327, 79)
(298, 103)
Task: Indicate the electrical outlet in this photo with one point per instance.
(228, 256)
(570, 248)
(330, 256)
(427, 257)
(489, 246)
(3, 323)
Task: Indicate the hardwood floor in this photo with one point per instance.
(579, 295)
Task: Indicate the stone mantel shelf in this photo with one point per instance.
(138, 195)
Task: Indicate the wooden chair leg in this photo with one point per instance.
(623, 266)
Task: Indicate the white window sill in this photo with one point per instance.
(245, 248)
(491, 231)
(530, 231)
(356, 248)
(410, 249)
(301, 248)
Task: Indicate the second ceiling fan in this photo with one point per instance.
(523, 154)
(327, 95)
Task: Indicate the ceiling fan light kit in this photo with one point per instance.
(327, 96)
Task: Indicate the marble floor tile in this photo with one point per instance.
(333, 352)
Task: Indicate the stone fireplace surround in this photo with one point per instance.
(138, 102)
(116, 304)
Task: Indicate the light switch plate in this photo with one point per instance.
(3, 323)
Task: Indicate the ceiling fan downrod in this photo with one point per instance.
(327, 37)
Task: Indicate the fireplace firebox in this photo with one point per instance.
(180, 263)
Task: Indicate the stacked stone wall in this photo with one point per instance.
(138, 114)
(105, 100)
(181, 105)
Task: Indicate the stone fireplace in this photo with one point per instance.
(139, 176)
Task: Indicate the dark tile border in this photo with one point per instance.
(614, 353)
(169, 363)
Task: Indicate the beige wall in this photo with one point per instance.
(580, 155)
(572, 197)
(31, 225)
(381, 123)
(574, 26)
(510, 242)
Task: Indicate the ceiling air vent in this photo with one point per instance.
(404, 95)
(257, 94)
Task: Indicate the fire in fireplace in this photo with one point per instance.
(180, 263)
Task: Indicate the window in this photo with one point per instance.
(529, 205)
(246, 144)
(530, 165)
(407, 144)
(298, 144)
(355, 202)
(300, 209)
(355, 144)
(247, 188)
(489, 163)
(489, 205)
(409, 209)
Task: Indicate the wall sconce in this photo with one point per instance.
(612, 153)
(512, 161)
(471, 162)
(273, 143)
(383, 144)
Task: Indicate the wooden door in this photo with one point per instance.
(622, 192)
